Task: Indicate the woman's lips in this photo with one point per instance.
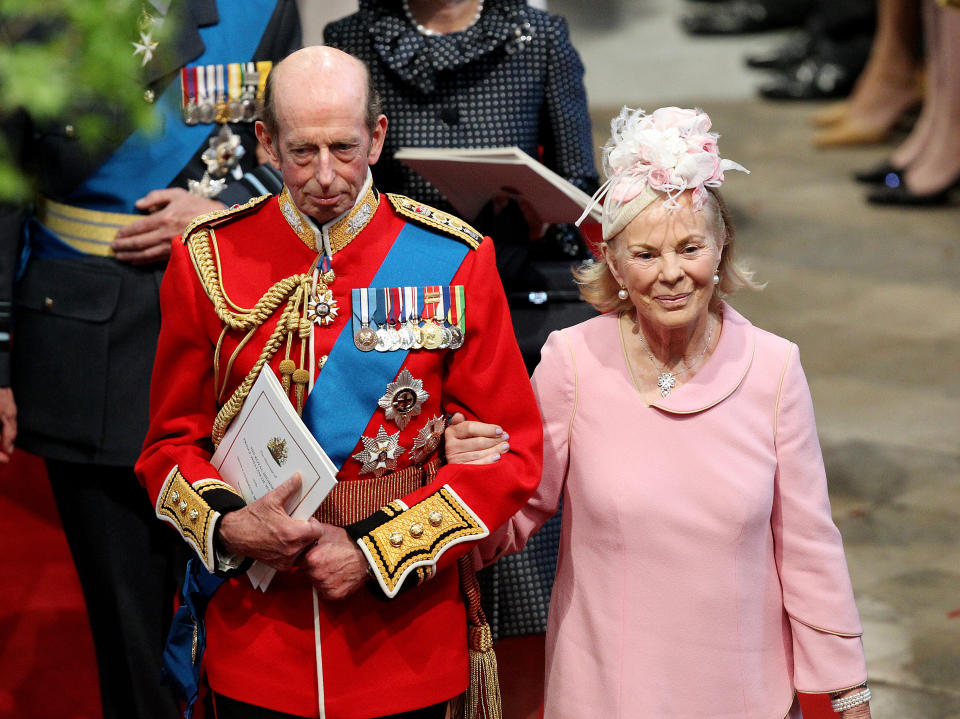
(672, 300)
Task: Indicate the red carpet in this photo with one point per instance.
(47, 664)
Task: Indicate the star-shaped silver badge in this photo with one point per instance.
(206, 186)
(428, 439)
(224, 152)
(379, 453)
(322, 308)
(146, 47)
(403, 399)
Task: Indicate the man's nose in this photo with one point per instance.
(324, 172)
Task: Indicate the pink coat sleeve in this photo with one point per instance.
(817, 593)
(554, 385)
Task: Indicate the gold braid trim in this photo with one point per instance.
(229, 410)
(291, 290)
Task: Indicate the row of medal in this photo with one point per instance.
(222, 93)
(388, 319)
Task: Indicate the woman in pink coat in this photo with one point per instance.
(700, 573)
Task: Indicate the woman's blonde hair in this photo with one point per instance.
(599, 288)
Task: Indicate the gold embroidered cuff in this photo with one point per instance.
(398, 541)
(188, 508)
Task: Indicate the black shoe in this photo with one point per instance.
(901, 195)
(736, 17)
(883, 174)
(790, 54)
(813, 79)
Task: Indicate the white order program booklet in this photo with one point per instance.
(264, 446)
(469, 178)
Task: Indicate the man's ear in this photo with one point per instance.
(376, 140)
(267, 142)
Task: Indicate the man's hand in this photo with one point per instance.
(8, 418)
(335, 564)
(469, 442)
(171, 210)
(264, 531)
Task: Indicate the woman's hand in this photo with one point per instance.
(469, 442)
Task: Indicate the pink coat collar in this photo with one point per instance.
(723, 372)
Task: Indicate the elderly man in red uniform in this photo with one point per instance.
(381, 317)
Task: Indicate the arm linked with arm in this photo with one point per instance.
(555, 387)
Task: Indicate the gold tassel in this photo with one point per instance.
(482, 698)
(287, 366)
(300, 379)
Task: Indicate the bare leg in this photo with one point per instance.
(888, 86)
(907, 153)
(937, 163)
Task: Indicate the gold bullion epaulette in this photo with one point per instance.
(435, 219)
(219, 217)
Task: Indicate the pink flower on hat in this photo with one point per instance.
(671, 151)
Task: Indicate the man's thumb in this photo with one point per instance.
(287, 490)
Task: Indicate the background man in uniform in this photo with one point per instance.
(86, 313)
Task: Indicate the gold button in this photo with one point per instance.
(70, 131)
(194, 515)
(396, 539)
(48, 302)
(175, 495)
(416, 530)
(435, 518)
(149, 96)
(183, 506)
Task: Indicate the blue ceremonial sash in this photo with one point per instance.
(150, 160)
(346, 392)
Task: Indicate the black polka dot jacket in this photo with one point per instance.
(513, 78)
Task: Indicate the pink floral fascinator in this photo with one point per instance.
(648, 156)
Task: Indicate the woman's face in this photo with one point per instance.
(666, 259)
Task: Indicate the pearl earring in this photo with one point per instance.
(716, 279)
(623, 294)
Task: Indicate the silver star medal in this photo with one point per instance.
(206, 186)
(403, 399)
(428, 440)
(321, 306)
(146, 47)
(224, 153)
(379, 453)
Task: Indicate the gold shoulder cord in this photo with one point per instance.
(291, 290)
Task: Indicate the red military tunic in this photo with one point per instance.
(378, 656)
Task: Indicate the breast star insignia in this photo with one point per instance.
(403, 399)
(379, 453)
